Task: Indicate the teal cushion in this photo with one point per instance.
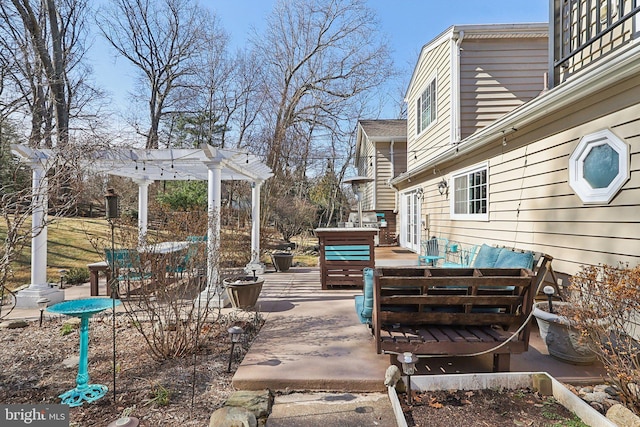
(511, 259)
(487, 256)
(359, 301)
(364, 302)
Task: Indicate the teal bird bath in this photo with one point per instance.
(84, 309)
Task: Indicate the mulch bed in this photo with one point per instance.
(486, 408)
(33, 373)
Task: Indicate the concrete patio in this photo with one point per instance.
(312, 340)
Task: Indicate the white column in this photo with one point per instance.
(255, 264)
(39, 288)
(213, 292)
(39, 236)
(143, 210)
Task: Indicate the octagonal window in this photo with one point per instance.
(599, 167)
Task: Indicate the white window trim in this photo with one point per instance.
(451, 184)
(580, 186)
(432, 78)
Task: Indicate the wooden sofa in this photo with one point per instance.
(488, 258)
(454, 311)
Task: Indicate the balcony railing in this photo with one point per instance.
(587, 30)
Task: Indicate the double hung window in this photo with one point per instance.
(471, 194)
(426, 107)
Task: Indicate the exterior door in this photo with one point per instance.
(411, 221)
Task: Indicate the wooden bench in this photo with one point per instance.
(454, 311)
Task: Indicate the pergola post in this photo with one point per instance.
(143, 209)
(214, 202)
(255, 265)
(39, 288)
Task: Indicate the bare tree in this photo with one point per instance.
(47, 42)
(242, 100)
(165, 40)
(319, 56)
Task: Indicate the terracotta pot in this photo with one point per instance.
(564, 342)
(243, 292)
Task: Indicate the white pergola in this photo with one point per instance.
(144, 166)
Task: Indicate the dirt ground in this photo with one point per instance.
(486, 408)
(158, 393)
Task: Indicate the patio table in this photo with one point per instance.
(166, 247)
(164, 256)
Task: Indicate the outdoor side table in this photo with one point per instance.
(84, 309)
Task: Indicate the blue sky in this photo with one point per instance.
(408, 25)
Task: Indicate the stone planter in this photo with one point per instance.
(564, 342)
(282, 260)
(244, 291)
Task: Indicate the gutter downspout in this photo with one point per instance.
(455, 83)
(393, 174)
(374, 183)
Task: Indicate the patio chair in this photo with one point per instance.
(127, 265)
(433, 250)
(185, 260)
(462, 258)
(364, 302)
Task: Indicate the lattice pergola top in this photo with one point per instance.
(165, 164)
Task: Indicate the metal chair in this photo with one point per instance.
(461, 258)
(433, 250)
(186, 261)
(127, 266)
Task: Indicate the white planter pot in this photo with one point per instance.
(564, 342)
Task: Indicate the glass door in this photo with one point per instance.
(411, 223)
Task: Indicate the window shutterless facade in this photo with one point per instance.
(471, 194)
(426, 107)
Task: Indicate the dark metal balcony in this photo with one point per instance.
(585, 31)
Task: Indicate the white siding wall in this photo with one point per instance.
(497, 76)
(437, 137)
(385, 194)
(531, 203)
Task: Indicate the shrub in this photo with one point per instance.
(292, 216)
(66, 329)
(77, 276)
(612, 294)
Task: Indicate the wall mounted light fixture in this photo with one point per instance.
(443, 187)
